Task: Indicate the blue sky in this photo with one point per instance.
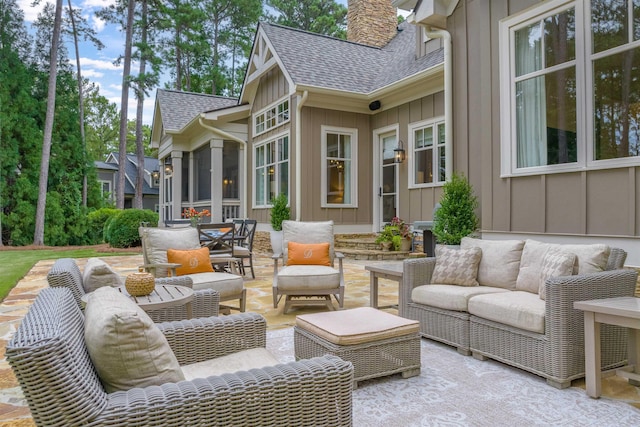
(97, 65)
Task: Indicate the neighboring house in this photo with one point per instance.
(108, 179)
(546, 115)
(318, 119)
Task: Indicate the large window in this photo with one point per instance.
(573, 94)
(339, 148)
(427, 149)
(272, 116)
(271, 160)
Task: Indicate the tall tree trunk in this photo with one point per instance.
(122, 155)
(138, 200)
(38, 235)
(80, 105)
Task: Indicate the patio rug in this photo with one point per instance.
(455, 390)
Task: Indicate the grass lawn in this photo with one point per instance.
(16, 263)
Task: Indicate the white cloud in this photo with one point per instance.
(92, 74)
(100, 64)
(30, 12)
(97, 3)
(97, 23)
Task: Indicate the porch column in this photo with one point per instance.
(216, 146)
(176, 185)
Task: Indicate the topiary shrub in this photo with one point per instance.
(121, 230)
(456, 217)
(96, 222)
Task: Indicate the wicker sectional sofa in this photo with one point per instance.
(507, 320)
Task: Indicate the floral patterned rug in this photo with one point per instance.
(455, 390)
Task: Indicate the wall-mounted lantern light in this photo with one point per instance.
(168, 167)
(398, 152)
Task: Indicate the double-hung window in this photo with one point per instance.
(271, 159)
(339, 150)
(570, 98)
(427, 149)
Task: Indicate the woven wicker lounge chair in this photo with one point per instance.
(51, 361)
(65, 273)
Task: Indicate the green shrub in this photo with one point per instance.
(279, 211)
(121, 230)
(96, 223)
(456, 217)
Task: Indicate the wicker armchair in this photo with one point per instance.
(206, 302)
(49, 357)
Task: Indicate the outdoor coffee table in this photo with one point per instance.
(162, 296)
(376, 342)
(622, 311)
(391, 271)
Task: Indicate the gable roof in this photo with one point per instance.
(316, 60)
(131, 171)
(177, 108)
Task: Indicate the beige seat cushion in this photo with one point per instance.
(241, 251)
(302, 277)
(98, 273)
(590, 259)
(226, 284)
(520, 309)
(449, 297)
(253, 358)
(356, 326)
(500, 262)
(126, 347)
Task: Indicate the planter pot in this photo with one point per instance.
(386, 246)
(276, 241)
(405, 245)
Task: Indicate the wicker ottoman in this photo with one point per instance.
(376, 342)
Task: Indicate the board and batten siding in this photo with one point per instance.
(414, 204)
(593, 205)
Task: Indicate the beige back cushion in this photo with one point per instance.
(156, 241)
(307, 232)
(126, 347)
(589, 259)
(98, 273)
(500, 261)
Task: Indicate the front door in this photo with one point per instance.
(388, 191)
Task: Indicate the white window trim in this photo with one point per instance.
(110, 191)
(263, 112)
(253, 169)
(584, 101)
(354, 166)
(433, 122)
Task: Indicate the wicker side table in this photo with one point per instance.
(376, 342)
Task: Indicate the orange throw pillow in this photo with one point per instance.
(192, 261)
(308, 254)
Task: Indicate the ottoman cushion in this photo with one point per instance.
(356, 326)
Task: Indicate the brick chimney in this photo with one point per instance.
(371, 22)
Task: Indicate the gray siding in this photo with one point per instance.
(588, 203)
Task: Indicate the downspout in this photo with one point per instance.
(299, 106)
(448, 93)
(243, 144)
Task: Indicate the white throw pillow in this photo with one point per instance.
(126, 347)
(589, 259)
(500, 261)
(456, 267)
(98, 273)
(554, 264)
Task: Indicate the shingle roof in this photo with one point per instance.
(177, 109)
(322, 61)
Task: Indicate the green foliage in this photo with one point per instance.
(121, 230)
(317, 16)
(456, 217)
(96, 221)
(279, 211)
(387, 233)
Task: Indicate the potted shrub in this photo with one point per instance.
(456, 217)
(396, 234)
(385, 237)
(279, 212)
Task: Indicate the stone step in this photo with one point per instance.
(379, 255)
(361, 243)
